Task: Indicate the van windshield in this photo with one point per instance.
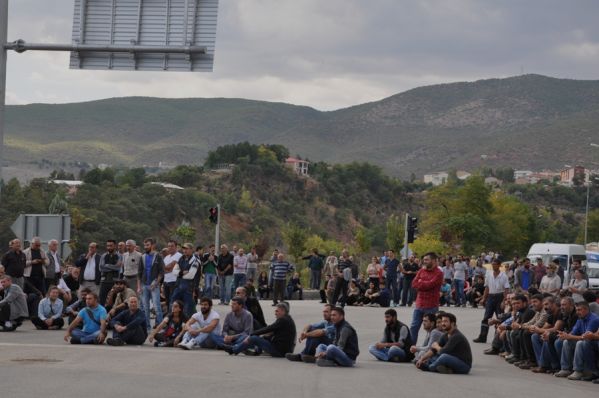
(593, 272)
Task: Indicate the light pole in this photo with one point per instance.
(586, 217)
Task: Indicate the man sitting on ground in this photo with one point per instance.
(49, 313)
(13, 307)
(394, 347)
(94, 323)
(238, 325)
(434, 331)
(201, 326)
(322, 332)
(252, 305)
(451, 354)
(129, 326)
(118, 297)
(344, 350)
(276, 339)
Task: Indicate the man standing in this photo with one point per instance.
(54, 268)
(394, 347)
(524, 277)
(343, 276)
(111, 264)
(497, 286)
(428, 283)
(409, 271)
(330, 267)
(129, 326)
(451, 354)
(540, 270)
(13, 307)
(170, 274)
(35, 265)
(276, 339)
(14, 262)
(315, 264)
(131, 260)
(89, 264)
(237, 326)
(460, 271)
(279, 271)
(322, 332)
(391, 268)
(345, 349)
(149, 277)
(253, 259)
(189, 266)
(49, 313)
(94, 323)
(224, 267)
(201, 326)
(240, 265)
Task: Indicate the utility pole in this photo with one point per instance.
(217, 232)
(405, 251)
(3, 55)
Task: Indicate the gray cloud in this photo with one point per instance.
(328, 54)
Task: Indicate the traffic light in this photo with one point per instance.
(412, 228)
(213, 215)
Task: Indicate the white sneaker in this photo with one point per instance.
(187, 346)
(8, 324)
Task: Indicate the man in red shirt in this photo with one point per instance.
(427, 283)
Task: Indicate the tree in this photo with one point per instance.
(593, 226)
(395, 233)
(185, 232)
(363, 238)
(59, 204)
(428, 243)
(513, 224)
(294, 237)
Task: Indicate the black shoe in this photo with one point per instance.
(444, 370)
(480, 339)
(251, 353)
(75, 340)
(596, 381)
(308, 358)
(491, 351)
(325, 362)
(293, 357)
(115, 342)
(229, 350)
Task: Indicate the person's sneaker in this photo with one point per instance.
(326, 363)
(115, 342)
(563, 373)
(229, 350)
(596, 381)
(251, 353)
(308, 358)
(444, 370)
(491, 351)
(539, 369)
(588, 376)
(75, 340)
(186, 346)
(293, 357)
(479, 339)
(576, 376)
(526, 365)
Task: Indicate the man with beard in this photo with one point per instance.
(427, 282)
(189, 266)
(13, 307)
(93, 317)
(149, 277)
(118, 297)
(394, 347)
(201, 326)
(451, 354)
(344, 349)
(111, 264)
(89, 264)
(253, 306)
(322, 332)
(35, 265)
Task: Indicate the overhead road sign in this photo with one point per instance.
(169, 35)
(46, 227)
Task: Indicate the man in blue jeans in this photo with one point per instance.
(149, 277)
(344, 350)
(427, 282)
(224, 268)
(238, 325)
(451, 354)
(396, 342)
(93, 317)
(322, 332)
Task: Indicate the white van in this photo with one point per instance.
(563, 252)
(593, 270)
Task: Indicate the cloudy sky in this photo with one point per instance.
(327, 53)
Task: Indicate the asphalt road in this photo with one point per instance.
(40, 364)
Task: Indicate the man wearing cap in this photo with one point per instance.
(118, 298)
(551, 283)
(188, 268)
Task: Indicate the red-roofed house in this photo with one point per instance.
(298, 165)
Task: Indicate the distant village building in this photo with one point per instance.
(167, 185)
(521, 174)
(463, 175)
(436, 179)
(298, 165)
(72, 185)
(493, 181)
(568, 175)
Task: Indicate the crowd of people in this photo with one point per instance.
(541, 322)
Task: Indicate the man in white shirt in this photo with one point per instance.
(497, 286)
(200, 326)
(240, 265)
(252, 271)
(54, 267)
(89, 264)
(171, 272)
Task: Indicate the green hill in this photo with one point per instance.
(528, 121)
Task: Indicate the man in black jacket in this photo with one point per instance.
(345, 349)
(89, 264)
(111, 264)
(451, 354)
(253, 306)
(394, 347)
(129, 326)
(277, 339)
